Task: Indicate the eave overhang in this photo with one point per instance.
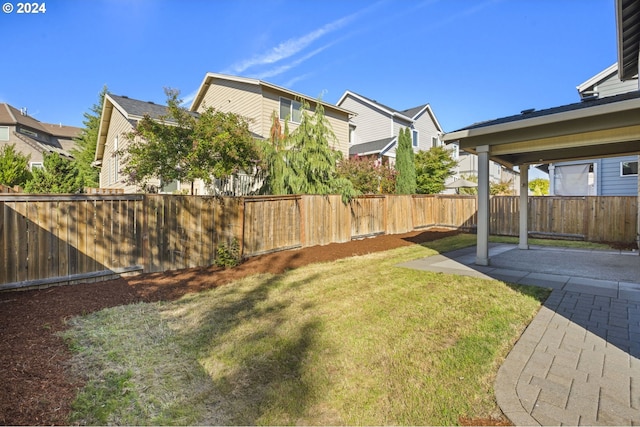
(598, 131)
(628, 34)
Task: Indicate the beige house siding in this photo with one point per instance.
(111, 171)
(257, 103)
(22, 147)
(230, 96)
(427, 130)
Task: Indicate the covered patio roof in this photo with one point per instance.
(588, 129)
(592, 128)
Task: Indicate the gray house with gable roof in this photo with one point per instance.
(608, 176)
(374, 129)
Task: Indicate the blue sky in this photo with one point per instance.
(472, 60)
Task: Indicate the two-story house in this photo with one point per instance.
(120, 114)
(253, 99)
(33, 138)
(257, 100)
(374, 129)
(609, 176)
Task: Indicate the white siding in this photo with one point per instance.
(371, 123)
(426, 126)
(614, 86)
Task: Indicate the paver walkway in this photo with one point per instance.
(578, 362)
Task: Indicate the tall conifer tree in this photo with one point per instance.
(406, 181)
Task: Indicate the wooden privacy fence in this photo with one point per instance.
(48, 239)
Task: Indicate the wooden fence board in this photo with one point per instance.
(44, 237)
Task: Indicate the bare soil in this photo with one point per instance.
(36, 389)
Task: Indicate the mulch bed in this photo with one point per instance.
(36, 387)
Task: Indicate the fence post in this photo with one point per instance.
(303, 219)
(242, 219)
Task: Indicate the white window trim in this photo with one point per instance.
(415, 142)
(628, 174)
(293, 103)
(8, 133)
(37, 165)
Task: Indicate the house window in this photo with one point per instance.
(414, 135)
(35, 165)
(291, 110)
(28, 132)
(352, 134)
(434, 141)
(4, 133)
(628, 168)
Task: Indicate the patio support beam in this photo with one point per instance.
(638, 207)
(524, 207)
(482, 248)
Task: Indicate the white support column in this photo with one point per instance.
(482, 251)
(524, 207)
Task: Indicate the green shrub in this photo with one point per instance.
(228, 255)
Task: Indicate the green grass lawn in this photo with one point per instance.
(356, 341)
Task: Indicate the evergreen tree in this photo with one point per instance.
(14, 166)
(85, 152)
(406, 181)
(433, 167)
(59, 175)
(304, 162)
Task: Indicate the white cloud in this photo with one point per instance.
(293, 46)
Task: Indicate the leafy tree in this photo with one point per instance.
(433, 167)
(87, 142)
(14, 166)
(406, 181)
(59, 175)
(303, 162)
(539, 186)
(502, 188)
(469, 190)
(367, 175)
(185, 148)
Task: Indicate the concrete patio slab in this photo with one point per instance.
(578, 360)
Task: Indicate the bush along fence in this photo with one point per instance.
(52, 239)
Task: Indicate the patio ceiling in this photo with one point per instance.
(589, 129)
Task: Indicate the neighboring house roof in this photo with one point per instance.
(210, 77)
(376, 104)
(132, 109)
(62, 135)
(380, 146)
(628, 32)
(135, 109)
(575, 108)
(410, 114)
